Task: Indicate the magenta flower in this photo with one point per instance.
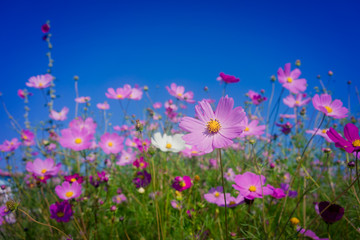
(43, 168)
(333, 109)
(111, 143)
(227, 78)
(157, 105)
(23, 93)
(213, 130)
(285, 127)
(290, 193)
(45, 28)
(298, 102)
(59, 116)
(103, 106)
(119, 198)
(75, 139)
(230, 200)
(74, 178)
(27, 137)
(120, 93)
(126, 157)
(82, 99)
(182, 183)
(214, 195)
(61, 211)
(40, 81)
(230, 175)
(68, 191)
(320, 132)
(140, 163)
(250, 186)
(255, 97)
(351, 143)
(309, 234)
(290, 80)
(252, 128)
(277, 193)
(9, 146)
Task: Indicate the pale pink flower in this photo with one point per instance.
(9, 146)
(103, 106)
(290, 79)
(120, 93)
(43, 168)
(111, 143)
(75, 139)
(82, 99)
(157, 105)
(321, 132)
(331, 108)
(27, 137)
(179, 93)
(252, 128)
(40, 81)
(59, 116)
(298, 102)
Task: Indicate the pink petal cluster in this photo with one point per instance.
(351, 143)
(68, 190)
(111, 143)
(126, 157)
(291, 101)
(252, 128)
(227, 78)
(9, 146)
(136, 93)
(213, 129)
(119, 93)
(250, 185)
(290, 79)
(331, 108)
(103, 106)
(82, 99)
(255, 97)
(59, 116)
(40, 81)
(27, 137)
(42, 168)
(320, 132)
(179, 93)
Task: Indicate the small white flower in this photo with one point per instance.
(168, 143)
(141, 190)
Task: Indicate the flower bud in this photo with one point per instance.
(298, 63)
(273, 78)
(351, 164)
(330, 73)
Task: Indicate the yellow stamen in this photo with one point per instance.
(119, 96)
(252, 188)
(41, 84)
(231, 203)
(60, 214)
(73, 180)
(194, 152)
(179, 94)
(168, 146)
(43, 171)
(182, 184)
(42, 178)
(24, 137)
(356, 143)
(297, 102)
(69, 194)
(323, 131)
(328, 109)
(213, 126)
(141, 164)
(78, 140)
(246, 129)
(289, 80)
(110, 144)
(217, 194)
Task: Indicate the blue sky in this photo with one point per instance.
(108, 44)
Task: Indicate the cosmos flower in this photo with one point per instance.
(309, 234)
(277, 193)
(68, 190)
(214, 195)
(79, 124)
(61, 211)
(103, 106)
(255, 97)
(142, 179)
(83, 99)
(227, 78)
(252, 128)
(331, 108)
(75, 139)
(59, 116)
(250, 186)
(285, 128)
(23, 93)
(191, 151)
(213, 129)
(9, 146)
(42, 168)
(135, 93)
(168, 143)
(175, 204)
(118, 199)
(230, 200)
(27, 137)
(157, 105)
(111, 143)
(230, 175)
(351, 143)
(126, 157)
(140, 163)
(290, 79)
(285, 188)
(45, 28)
(40, 81)
(120, 93)
(291, 101)
(182, 183)
(74, 178)
(332, 214)
(178, 92)
(320, 132)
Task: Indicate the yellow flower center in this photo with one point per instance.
(194, 152)
(228, 174)
(231, 203)
(252, 188)
(246, 129)
(328, 109)
(294, 221)
(42, 178)
(289, 80)
(179, 94)
(118, 199)
(182, 184)
(297, 102)
(213, 126)
(217, 194)
(141, 176)
(41, 84)
(60, 214)
(43, 171)
(141, 164)
(119, 96)
(69, 194)
(168, 146)
(24, 137)
(73, 180)
(110, 144)
(356, 143)
(78, 140)
(323, 131)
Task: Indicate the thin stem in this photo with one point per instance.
(223, 185)
(357, 170)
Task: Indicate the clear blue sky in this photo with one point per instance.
(108, 44)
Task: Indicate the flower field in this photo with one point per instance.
(228, 171)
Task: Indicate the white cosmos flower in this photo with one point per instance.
(167, 143)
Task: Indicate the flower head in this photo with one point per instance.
(45, 28)
(59, 116)
(182, 183)
(351, 143)
(83, 99)
(168, 143)
(227, 78)
(251, 186)
(332, 214)
(140, 163)
(213, 129)
(120, 93)
(9, 146)
(68, 190)
(40, 81)
(179, 93)
(291, 101)
(74, 178)
(142, 179)
(75, 139)
(290, 79)
(27, 137)
(119, 198)
(253, 128)
(111, 143)
(42, 168)
(126, 157)
(255, 97)
(331, 108)
(103, 106)
(214, 195)
(320, 132)
(61, 211)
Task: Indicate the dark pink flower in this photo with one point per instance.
(61, 211)
(182, 183)
(45, 28)
(228, 78)
(351, 143)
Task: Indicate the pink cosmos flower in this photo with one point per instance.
(292, 102)
(74, 178)
(45, 28)
(135, 93)
(40, 81)
(333, 109)
(126, 157)
(140, 163)
(22, 93)
(111, 143)
(68, 191)
(178, 92)
(88, 124)
(230, 200)
(255, 97)
(175, 204)
(157, 105)
(120, 93)
(182, 183)
(351, 143)
(213, 129)
(59, 116)
(75, 139)
(191, 151)
(214, 195)
(118, 199)
(252, 128)
(277, 193)
(250, 186)
(309, 234)
(43, 168)
(289, 116)
(320, 132)
(27, 137)
(9, 146)
(103, 106)
(230, 175)
(290, 80)
(227, 78)
(82, 99)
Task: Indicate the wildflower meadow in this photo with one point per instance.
(275, 166)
